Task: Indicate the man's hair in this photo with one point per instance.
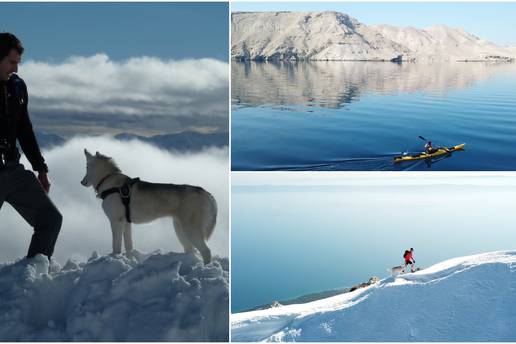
(8, 41)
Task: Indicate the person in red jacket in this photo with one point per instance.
(409, 259)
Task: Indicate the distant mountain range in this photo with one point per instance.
(183, 142)
(46, 140)
(336, 36)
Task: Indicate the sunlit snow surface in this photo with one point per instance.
(469, 298)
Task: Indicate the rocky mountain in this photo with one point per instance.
(336, 36)
(306, 36)
(442, 43)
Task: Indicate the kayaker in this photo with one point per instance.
(409, 259)
(430, 150)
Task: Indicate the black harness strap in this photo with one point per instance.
(125, 194)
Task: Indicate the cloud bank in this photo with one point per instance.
(86, 228)
(142, 86)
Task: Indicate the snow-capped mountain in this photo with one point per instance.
(470, 298)
(332, 35)
(154, 297)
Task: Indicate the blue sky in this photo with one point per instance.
(54, 31)
(294, 234)
(492, 21)
(147, 68)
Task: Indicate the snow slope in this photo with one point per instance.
(332, 35)
(469, 298)
(157, 297)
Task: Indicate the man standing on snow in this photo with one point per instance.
(409, 259)
(19, 187)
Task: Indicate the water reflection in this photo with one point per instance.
(333, 84)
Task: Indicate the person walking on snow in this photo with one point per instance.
(409, 259)
(20, 187)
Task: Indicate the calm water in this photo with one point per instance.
(359, 115)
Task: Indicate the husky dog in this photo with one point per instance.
(193, 209)
(397, 270)
(400, 269)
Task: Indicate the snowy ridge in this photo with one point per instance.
(469, 298)
(336, 36)
(158, 297)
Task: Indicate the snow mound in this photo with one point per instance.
(156, 297)
(469, 298)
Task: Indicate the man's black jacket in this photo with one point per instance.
(15, 123)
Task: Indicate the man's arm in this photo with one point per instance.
(29, 143)
(43, 179)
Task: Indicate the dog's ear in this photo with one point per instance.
(88, 154)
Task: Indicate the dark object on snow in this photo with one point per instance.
(371, 281)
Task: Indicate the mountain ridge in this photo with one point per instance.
(332, 35)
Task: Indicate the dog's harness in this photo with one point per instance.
(124, 191)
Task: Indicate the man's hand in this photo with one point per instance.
(43, 179)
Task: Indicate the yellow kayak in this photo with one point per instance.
(424, 155)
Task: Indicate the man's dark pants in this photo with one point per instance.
(21, 189)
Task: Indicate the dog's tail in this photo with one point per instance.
(211, 209)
